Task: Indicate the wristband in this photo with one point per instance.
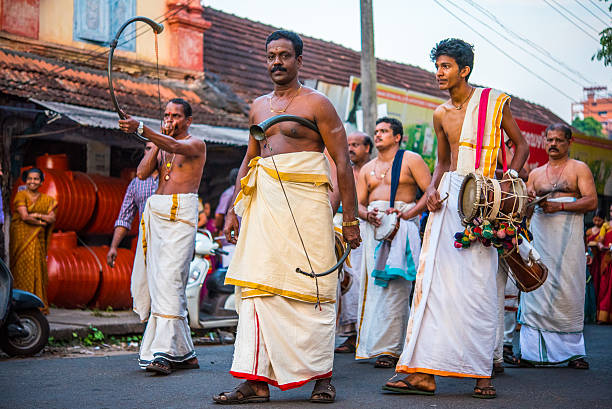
(351, 223)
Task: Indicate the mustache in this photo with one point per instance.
(278, 68)
(553, 149)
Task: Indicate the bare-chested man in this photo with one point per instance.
(552, 317)
(282, 340)
(167, 238)
(360, 147)
(452, 326)
(389, 265)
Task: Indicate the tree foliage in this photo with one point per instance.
(589, 126)
(605, 53)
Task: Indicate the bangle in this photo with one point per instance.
(351, 223)
(562, 207)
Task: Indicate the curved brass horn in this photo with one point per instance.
(158, 28)
(336, 266)
(259, 131)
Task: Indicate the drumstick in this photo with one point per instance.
(445, 197)
(540, 199)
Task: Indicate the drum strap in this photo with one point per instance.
(482, 120)
(395, 175)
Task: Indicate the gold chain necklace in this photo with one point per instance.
(554, 185)
(168, 165)
(286, 106)
(458, 108)
(375, 171)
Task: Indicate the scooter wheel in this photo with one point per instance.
(38, 334)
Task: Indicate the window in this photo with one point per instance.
(602, 113)
(97, 21)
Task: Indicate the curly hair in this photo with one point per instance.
(459, 50)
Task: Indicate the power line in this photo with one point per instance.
(527, 41)
(575, 16)
(570, 20)
(597, 5)
(589, 10)
(504, 53)
(525, 50)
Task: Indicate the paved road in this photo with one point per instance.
(115, 382)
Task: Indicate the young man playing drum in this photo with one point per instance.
(552, 317)
(389, 263)
(451, 331)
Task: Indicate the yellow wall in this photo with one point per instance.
(56, 24)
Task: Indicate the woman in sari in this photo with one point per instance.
(31, 227)
(593, 237)
(604, 291)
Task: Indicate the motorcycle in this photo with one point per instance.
(24, 330)
(210, 303)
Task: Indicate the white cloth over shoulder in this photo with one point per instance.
(552, 316)
(452, 327)
(383, 311)
(165, 248)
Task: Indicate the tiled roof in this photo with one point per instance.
(234, 50)
(32, 76)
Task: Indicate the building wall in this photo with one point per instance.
(601, 110)
(56, 22)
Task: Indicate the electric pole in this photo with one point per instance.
(368, 68)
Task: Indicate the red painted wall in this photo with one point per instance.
(20, 17)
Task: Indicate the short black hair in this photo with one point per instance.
(186, 107)
(396, 125)
(459, 50)
(367, 141)
(26, 173)
(295, 39)
(560, 126)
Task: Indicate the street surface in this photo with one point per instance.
(116, 382)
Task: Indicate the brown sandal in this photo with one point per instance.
(479, 392)
(160, 366)
(242, 393)
(385, 361)
(323, 393)
(579, 363)
(346, 347)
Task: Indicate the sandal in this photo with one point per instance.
(479, 392)
(346, 347)
(409, 389)
(498, 368)
(579, 363)
(160, 366)
(518, 362)
(189, 364)
(323, 393)
(385, 361)
(242, 393)
(508, 354)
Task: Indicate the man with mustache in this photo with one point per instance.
(453, 322)
(552, 316)
(167, 238)
(389, 263)
(286, 327)
(360, 147)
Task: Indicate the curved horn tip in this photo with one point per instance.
(159, 28)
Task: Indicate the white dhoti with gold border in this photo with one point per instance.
(282, 339)
(165, 248)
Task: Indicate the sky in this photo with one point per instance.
(550, 67)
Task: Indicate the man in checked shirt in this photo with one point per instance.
(134, 200)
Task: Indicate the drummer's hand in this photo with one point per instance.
(372, 217)
(550, 207)
(231, 227)
(433, 199)
(129, 124)
(531, 195)
(589, 260)
(351, 235)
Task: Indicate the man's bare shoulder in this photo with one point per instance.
(579, 166)
(537, 171)
(260, 100)
(441, 110)
(412, 156)
(368, 164)
(317, 98)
